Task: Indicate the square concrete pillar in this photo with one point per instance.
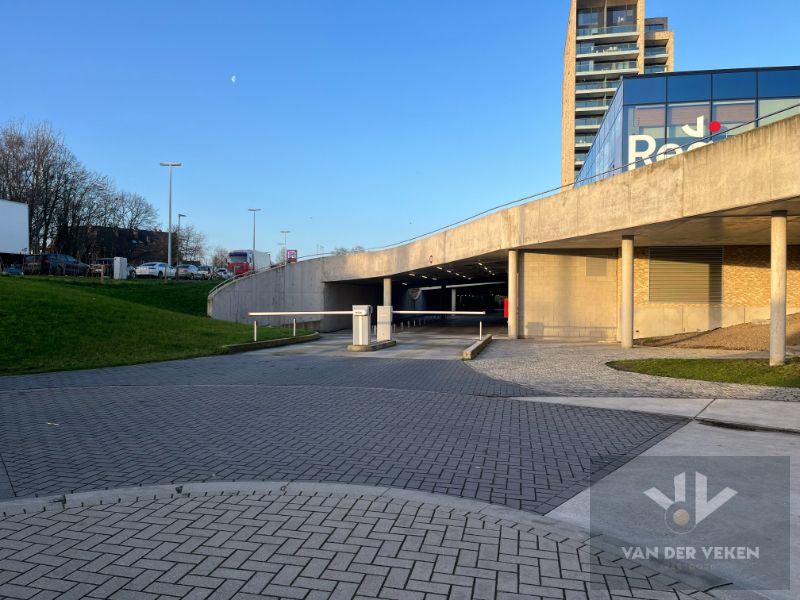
(387, 292)
(777, 304)
(626, 299)
(453, 299)
(513, 295)
(384, 323)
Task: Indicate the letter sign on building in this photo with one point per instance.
(642, 147)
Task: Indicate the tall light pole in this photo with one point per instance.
(178, 235)
(254, 211)
(285, 232)
(169, 220)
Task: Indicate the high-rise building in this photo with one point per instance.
(606, 39)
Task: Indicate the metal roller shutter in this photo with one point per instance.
(684, 275)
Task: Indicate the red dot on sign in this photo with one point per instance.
(714, 126)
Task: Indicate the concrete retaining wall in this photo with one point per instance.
(298, 286)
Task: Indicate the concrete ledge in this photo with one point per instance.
(477, 347)
(372, 347)
(235, 348)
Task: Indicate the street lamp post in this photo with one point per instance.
(285, 247)
(178, 235)
(254, 211)
(169, 219)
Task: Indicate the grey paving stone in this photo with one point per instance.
(579, 369)
(520, 454)
(409, 578)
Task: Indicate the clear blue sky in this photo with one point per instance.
(350, 121)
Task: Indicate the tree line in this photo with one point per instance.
(66, 200)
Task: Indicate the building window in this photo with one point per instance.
(688, 88)
(732, 86)
(643, 90)
(620, 15)
(589, 17)
(688, 123)
(686, 275)
(735, 116)
(777, 109)
(774, 84)
(646, 128)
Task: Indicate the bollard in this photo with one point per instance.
(255, 331)
(294, 327)
(480, 330)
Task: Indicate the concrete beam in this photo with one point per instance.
(626, 300)
(777, 306)
(513, 295)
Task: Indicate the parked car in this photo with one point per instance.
(53, 264)
(223, 273)
(188, 272)
(158, 270)
(13, 270)
(205, 272)
(106, 266)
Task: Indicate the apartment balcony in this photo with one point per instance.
(588, 123)
(655, 69)
(656, 55)
(603, 69)
(589, 89)
(620, 33)
(585, 107)
(618, 51)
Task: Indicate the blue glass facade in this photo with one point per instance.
(653, 117)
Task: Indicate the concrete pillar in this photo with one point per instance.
(777, 304)
(626, 301)
(387, 291)
(513, 295)
(453, 299)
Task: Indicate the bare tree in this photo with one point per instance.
(339, 251)
(219, 257)
(191, 243)
(65, 200)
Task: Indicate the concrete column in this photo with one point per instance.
(387, 291)
(513, 295)
(777, 304)
(626, 303)
(453, 299)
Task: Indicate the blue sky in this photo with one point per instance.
(351, 122)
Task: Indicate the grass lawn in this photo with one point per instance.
(752, 371)
(60, 323)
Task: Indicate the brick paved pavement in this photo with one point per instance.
(576, 369)
(266, 368)
(308, 547)
(521, 454)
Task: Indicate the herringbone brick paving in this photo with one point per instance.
(254, 369)
(524, 455)
(307, 547)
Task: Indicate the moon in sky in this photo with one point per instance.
(233, 78)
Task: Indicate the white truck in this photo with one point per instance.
(13, 233)
(13, 227)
